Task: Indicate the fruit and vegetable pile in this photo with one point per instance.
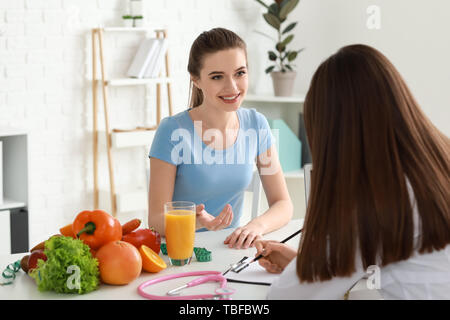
(94, 249)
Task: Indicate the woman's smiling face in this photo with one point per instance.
(223, 79)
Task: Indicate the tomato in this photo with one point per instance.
(149, 237)
(96, 228)
(34, 257)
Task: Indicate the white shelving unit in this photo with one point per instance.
(14, 220)
(273, 99)
(296, 188)
(15, 168)
(137, 82)
(288, 109)
(296, 174)
(8, 204)
(125, 29)
(130, 199)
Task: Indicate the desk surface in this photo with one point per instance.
(25, 288)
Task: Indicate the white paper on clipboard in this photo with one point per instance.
(253, 274)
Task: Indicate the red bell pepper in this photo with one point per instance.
(150, 237)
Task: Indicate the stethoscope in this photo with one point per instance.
(221, 293)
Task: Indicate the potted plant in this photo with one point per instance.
(282, 72)
(127, 21)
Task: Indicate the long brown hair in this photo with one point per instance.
(367, 134)
(208, 42)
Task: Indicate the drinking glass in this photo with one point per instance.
(179, 217)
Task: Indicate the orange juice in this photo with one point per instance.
(180, 233)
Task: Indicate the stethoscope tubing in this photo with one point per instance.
(182, 275)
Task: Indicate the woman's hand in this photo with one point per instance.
(276, 255)
(208, 221)
(244, 237)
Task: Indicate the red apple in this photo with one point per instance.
(35, 255)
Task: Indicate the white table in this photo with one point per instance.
(24, 287)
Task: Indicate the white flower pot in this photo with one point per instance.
(127, 23)
(138, 23)
(283, 83)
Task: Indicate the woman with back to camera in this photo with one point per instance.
(206, 154)
(380, 189)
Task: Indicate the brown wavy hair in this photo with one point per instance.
(209, 42)
(367, 134)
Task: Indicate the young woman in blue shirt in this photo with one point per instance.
(207, 154)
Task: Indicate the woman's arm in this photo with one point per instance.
(161, 185)
(280, 205)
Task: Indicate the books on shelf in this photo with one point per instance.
(142, 58)
(149, 58)
(154, 69)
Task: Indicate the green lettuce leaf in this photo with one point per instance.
(70, 267)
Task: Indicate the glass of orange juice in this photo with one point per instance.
(179, 219)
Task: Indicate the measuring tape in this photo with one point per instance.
(9, 274)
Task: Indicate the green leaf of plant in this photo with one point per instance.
(280, 47)
(287, 8)
(272, 56)
(272, 20)
(288, 39)
(273, 9)
(269, 69)
(292, 55)
(289, 27)
(288, 67)
(283, 3)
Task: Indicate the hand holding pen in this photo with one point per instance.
(274, 256)
(265, 248)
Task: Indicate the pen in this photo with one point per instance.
(260, 255)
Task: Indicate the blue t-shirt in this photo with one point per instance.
(206, 175)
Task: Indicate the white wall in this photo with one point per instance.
(413, 35)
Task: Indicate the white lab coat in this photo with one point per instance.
(422, 276)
